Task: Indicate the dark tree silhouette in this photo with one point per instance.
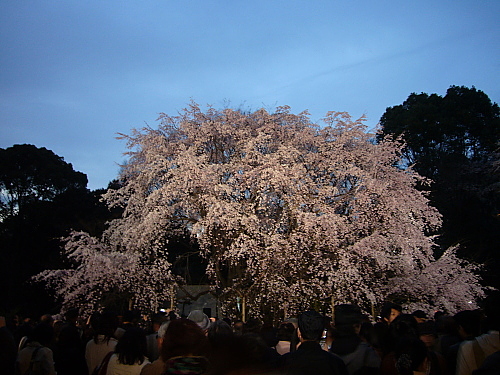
(43, 198)
(442, 133)
(454, 141)
(29, 174)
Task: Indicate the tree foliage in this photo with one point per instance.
(44, 198)
(441, 132)
(454, 140)
(286, 214)
(29, 173)
(120, 274)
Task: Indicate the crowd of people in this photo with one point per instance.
(398, 343)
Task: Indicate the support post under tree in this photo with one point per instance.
(243, 309)
(333, 307)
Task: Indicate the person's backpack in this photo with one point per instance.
(35, 366)
(22, 343)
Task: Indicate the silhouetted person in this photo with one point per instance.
(130, 353)
(358, 356)
(36, 353)
(310, 358)
(69, 354)
(8, 349)
(184, 347)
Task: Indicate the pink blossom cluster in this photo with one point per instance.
(287, 213)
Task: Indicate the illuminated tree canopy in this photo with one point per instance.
(287, 213)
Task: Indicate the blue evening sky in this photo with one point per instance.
(73, 73)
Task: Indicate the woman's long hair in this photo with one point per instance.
(105, 324)
(131, 348)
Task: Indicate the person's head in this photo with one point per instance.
(172, 315)
(131, 317)
(491, 306)
(43, 333)
(438, 314)
(157, 320)
(255, 351)
(390, 311)
(219, 331)
(446, 325)
(47, 319)
(427, 333)
(293, 320)
(411, 355)
(105, 324)
(253, 325)
(71, 316)
(285, 331)
(404, 325)
(311, 326)
(366, 332)
(200, 318)
(469, 323)
(183, 337)
(238, 326)
(348, 318)
(420, 316)
(93, 320)
(131, 347)
(269, 334)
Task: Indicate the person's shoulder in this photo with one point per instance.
(90, 344)
(286, 358)
(40, 352)
(366, 349)
(490, 336)
(287, 355)
(465, 345)
(337, 363)
(146, 363)
(147, 370)
(113, 359)
(112, 342)
(153, 368)
(334, 358)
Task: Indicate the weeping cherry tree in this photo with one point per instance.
(287, 214)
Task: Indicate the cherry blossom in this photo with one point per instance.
(287, 213)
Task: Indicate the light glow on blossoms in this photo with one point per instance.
(288, 214)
